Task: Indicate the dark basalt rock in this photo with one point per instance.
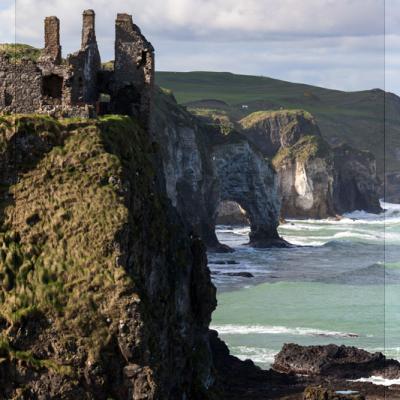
(334, 361)
(356, 186)
(244, 380)
(204, 168)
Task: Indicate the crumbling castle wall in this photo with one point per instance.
(74, 86)
(86, 63)
(133, 69)
(20, 86)
(52, 48)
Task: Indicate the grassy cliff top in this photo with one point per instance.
(215, 117)
(62, 223)
(18, 51)
(306, 148)
(259, 116)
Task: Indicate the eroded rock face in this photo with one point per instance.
(306, 176)
(315, 181)
(392, 187)
(191, 183)
(248, 179)
(341, 362)
(203, 167)
(356, 183)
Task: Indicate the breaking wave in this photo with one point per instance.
(262, 329)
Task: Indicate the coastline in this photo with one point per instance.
(255, 316)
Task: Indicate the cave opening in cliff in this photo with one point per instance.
(233, 216)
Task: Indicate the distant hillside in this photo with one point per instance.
(353, 117)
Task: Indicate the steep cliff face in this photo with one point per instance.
(314, 179)
(248, 179)
(305, 175)
(190, 179)
(104, 294)
(203, 167)
(356, 183)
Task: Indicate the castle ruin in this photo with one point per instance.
(78, 85)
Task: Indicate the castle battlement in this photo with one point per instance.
(78, 86)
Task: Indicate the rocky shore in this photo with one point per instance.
(305, 373)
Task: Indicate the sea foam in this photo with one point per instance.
(378, 380)
(231, 329)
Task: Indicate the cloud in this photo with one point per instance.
(337, 43)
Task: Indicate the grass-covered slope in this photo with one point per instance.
(353, 117)
(18, 51)
(94, 265)
(56, 221)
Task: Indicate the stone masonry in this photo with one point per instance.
(78, 85)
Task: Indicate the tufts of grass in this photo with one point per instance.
(306, 148)
(58, 239)
(8, 353)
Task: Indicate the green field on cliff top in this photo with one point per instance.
(357, 118)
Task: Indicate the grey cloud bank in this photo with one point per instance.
(331, 43)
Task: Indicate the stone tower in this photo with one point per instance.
(86, 63)
(52, 48)
(133, 70)
(88, 28)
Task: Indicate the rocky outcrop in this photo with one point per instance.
(272, 130)
(356, 183)
(306, 178)
(203, 168)
(334, 361)
(242, 380)
(245, 381)
(315, 180)
(104, 292)
(247, 178)
(392, 187)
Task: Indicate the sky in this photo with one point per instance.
(337, 44)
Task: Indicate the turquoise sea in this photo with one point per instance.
(341, 285)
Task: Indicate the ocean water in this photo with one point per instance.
(341, 285)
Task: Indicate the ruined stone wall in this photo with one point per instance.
(54, 86)
(52, 48)
(86, 63)
(134, 70)
(20, 86)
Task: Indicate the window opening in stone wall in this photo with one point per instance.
(52, 86)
